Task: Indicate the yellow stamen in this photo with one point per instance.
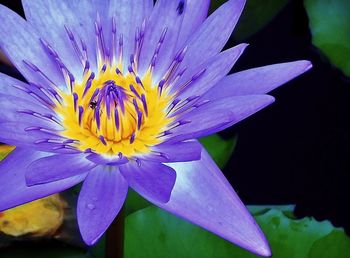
(117, 113)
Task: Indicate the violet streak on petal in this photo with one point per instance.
(175, 152)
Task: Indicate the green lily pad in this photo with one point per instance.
(290, 238)
(332, 245)
(287, 210)
(256, 14)
(219, 149)
(330, 27)
(153, 233)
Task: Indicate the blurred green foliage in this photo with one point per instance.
(330, 28)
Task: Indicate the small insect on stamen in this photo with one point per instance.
(93, 104)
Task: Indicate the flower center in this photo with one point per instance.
(112, 112)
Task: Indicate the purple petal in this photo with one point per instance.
(166, 17)
(259, 80)
(203, 196)
(175, 152)
(214, 70)
(14, 191)
(129, 15)
(17, 134)
(152, 180)
(19, 42)
(86, 12)
(213, 34)
(24, 122)
(217, 115)
(101, 198)
(37, 94)
(107, 160)
(197, 11)
(7, 83)
(57, 167)
(50, 18)
(13, 110)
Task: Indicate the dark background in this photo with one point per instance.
(296, 150)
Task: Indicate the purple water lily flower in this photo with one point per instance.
(116, 94)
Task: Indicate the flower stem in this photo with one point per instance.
(115, 237)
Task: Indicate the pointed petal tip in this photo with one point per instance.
(264, 101)
(260, 102)
(89, 239)
(254, 242)
(270, 99)
(308, 65)
(253, 239)
(239, 3)
(300, 65)
(262, 246)
(265, 252)
(243, 47)
(89, 235)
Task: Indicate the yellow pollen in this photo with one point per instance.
(112, 112)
